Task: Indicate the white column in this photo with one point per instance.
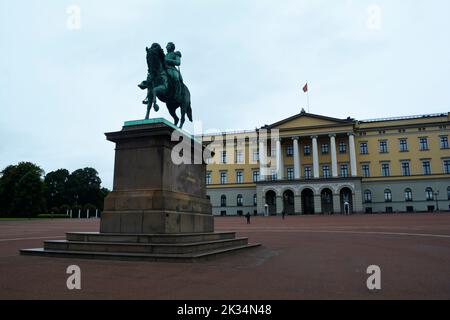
(297, 163)
(262, 160)
(280, 164)
(351, 139)
(334, 167)
(316, 171)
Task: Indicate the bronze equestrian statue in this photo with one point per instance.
(164, 82)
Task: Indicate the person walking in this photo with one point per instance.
(283, 214)
(248, 216)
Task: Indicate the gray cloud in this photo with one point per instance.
(244, 61)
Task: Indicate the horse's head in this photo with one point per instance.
(155, 58)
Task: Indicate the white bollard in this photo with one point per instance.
(87, 214)
(79, 213)
(71, 214)
(96, 213)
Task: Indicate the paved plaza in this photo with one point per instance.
(309, 257)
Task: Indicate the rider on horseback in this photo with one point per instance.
(173, 60)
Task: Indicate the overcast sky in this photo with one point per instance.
(67, 79)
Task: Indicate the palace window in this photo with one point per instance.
(387, 195)
(223, 157)
(403, 145)
(255, 156)
(223, 201)
(426, 165)
(446, 164)
(223, 177)
(290, 151)
(342, 147)
(208, 177)
(444, 143)
(344, 170)
(255, 175)
(240, 200)
(384, 146)
(290, 174)
(406, 171)
(408, 195)
(308, 173)
(239, 156)
(274, 175)
(429, 194)
(385, 170)
(324, 148)
(367, 196)
(307, 150)
(326, 171)
(239, 177)
(423, 142)
(363, 148)
(255, 200)
(365, 170)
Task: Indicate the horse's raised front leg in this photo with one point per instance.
(149, 104)
(156, 91)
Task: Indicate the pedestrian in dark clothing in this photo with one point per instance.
(283, 214)
(248, 217)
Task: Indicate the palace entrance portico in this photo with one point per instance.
(307, 197)
(309, 166)
(276, 157)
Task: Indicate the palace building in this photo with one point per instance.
(326, 165)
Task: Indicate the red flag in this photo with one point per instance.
(305, 88)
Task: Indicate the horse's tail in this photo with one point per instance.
(189, 111)
(188, 103)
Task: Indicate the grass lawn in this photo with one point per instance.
(39, 217)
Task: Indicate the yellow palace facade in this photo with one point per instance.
(326, 165)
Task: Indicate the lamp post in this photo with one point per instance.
(436, 194)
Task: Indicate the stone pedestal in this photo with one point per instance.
(158, 209)
(151, 193)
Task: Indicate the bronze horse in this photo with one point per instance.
(159, 85)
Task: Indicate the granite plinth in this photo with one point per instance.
(158, 209)
(151, 193)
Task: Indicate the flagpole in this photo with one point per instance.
(307, 95)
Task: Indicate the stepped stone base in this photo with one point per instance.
(158, 209)
(143, 247)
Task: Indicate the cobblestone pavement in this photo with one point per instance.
(316, 257)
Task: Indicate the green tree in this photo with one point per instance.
(22, 190)
(55, 183)
(83, 187)
(103, 193)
